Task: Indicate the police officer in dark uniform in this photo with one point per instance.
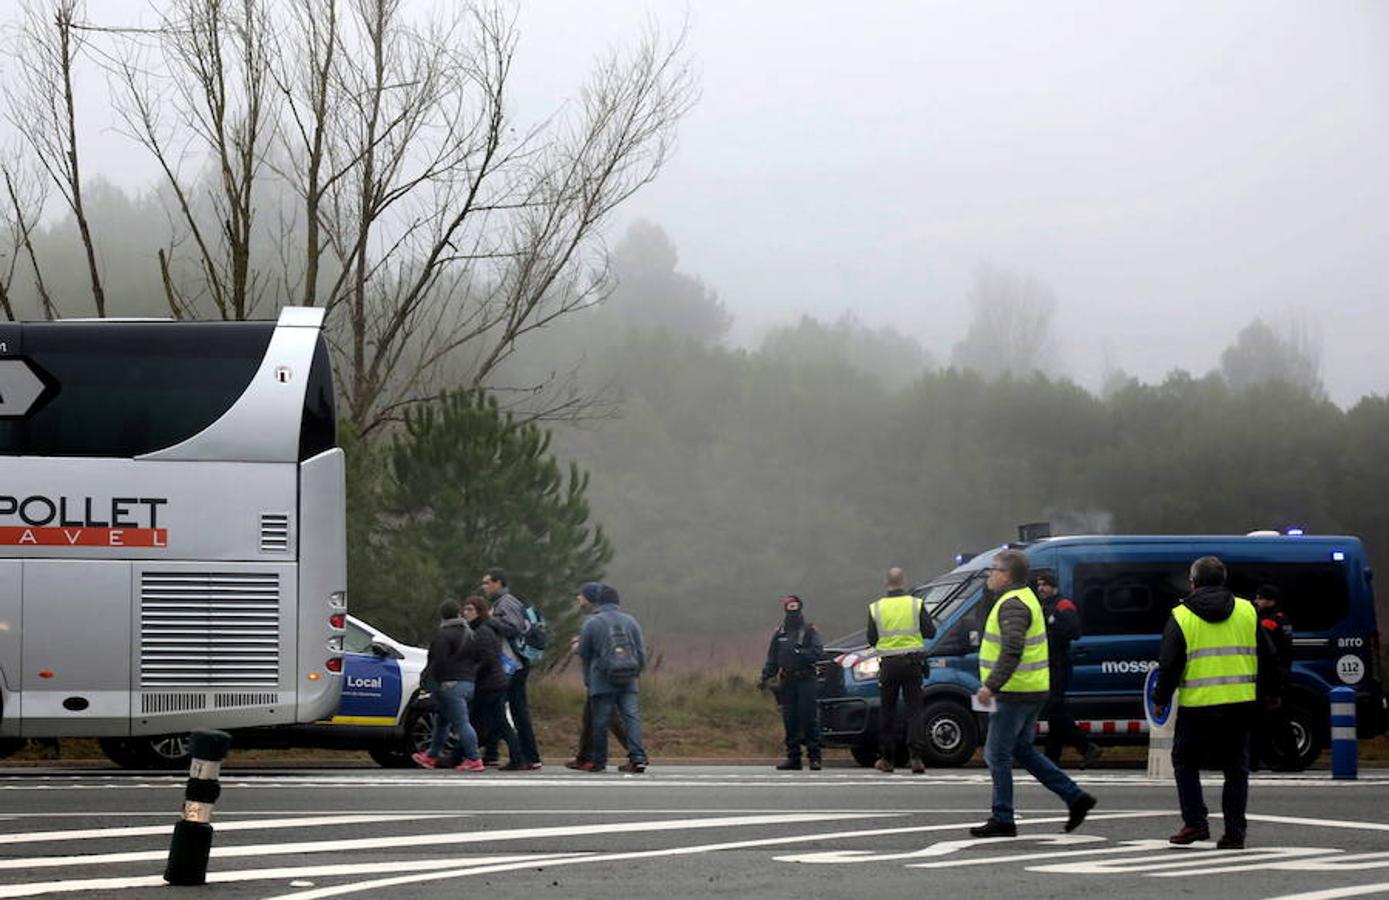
(791, 657)
(1063, 627)
(1273, 740)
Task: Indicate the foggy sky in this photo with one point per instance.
(1170, 170)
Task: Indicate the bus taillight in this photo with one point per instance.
(333, 665)
(338, 620)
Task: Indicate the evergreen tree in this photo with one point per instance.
(466, 487)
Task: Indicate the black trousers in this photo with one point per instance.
(1213, 737)
(800, 715)
(900, 675)
(585, 752)
(1062, 730)
(1271, 740)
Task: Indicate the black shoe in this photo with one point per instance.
(789, 765)
(883, 765)
(1190, 834)
(632, 768)
(994, 828)
(1091, 756)
(815, 765)
(513, 766)
(1227, 842)
(918, 767)
(1079, 810)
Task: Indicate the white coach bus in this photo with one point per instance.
(173, 549)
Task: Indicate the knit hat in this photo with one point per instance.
(608, 595)
(592, 591)
(789, 599)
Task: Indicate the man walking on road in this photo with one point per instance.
(511, 614)
(898, 627)
(614, 654)
(1213, 655)
(795, 648)
(1063, 627)
(1015, 674)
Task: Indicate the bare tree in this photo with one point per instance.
(24, 202)
(1010, 332)
(43, 109)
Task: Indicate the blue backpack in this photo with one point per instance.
(531, 643)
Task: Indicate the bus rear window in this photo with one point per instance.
(122, 389)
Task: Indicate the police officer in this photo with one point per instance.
(1213, 653)
(1273, 738)
(1015, 675)
(795, 648)
(1063, 627)
(898, 627)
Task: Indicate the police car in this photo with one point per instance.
(382, 711)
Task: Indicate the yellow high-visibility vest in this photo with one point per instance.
(1222, 662)
(1032, 674)
(899, 624)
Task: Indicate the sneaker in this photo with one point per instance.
(1091, 756)
(576, 764)
(470, 765)
(789, 765)
(815, 765)
(883, 765)
(534, 767)
(1190, 835)
(424, 760)
(1227, 842)
(634, 768)
(492, 763)
(590, 767)
(918, 767)
(994, 829)
(1079, 810)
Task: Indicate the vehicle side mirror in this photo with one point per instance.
(385, 651)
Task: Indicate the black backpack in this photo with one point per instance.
(620, 663)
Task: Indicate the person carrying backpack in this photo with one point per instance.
(791, 657)
(511, 615)
(613, 654)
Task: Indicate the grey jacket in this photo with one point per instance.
(510, 613)
(1014, 619)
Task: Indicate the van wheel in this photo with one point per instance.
(391, 757)
(1305, 740)
(864, 754)
(950, 733)
(123, 752)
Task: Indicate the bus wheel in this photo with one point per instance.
(950, 733)
(864, 754)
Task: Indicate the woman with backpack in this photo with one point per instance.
(493, 681)
(451, 669)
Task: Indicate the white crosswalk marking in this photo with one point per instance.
(86, 834)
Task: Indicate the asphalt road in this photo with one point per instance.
(678, 832)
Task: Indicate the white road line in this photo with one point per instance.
(347, 845)
(1128, 847)
(88, 834)
(940, 848)
(340, 890)
(82, 885)
(1319, 823)
(1197, 861)
(1358, 890)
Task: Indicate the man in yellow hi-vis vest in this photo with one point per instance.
(1015, 675)
(899, 625)
(1213, 657)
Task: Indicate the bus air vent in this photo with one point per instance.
(274, 533)
(225, 701)
(168, 703)
(209, 630)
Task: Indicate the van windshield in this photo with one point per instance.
(941, 595)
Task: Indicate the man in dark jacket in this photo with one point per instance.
(1213, 657)
(608, 641)
(1063, 627)
(901, 646)
(1273, 739)
(492, 682)
(795, 648)
(448, 671)
(510, 614)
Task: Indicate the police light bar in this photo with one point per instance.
(1294, 531)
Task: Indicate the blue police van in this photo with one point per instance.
(382, 711)
(1125, 588)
